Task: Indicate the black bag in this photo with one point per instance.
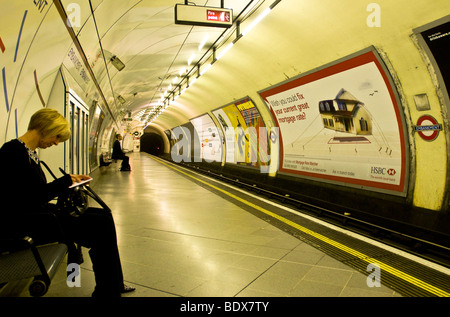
(74, 201)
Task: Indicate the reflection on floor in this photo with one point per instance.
(178, 239)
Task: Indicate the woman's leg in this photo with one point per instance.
(95, 229)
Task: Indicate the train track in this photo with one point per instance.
(420, 247)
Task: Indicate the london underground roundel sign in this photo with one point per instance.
(428, 128)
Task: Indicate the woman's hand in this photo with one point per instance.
(79, 178)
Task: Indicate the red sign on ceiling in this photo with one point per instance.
(216, 15)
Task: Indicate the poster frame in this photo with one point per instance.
(397, 190)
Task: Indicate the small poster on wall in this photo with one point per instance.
(438, 41)
(209, 143)
(341, 124)
(243, 126)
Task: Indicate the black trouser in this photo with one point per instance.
(125, 162)
(95, 229)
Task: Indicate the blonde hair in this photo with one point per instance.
(50, 123)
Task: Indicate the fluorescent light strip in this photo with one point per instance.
(205, 69)
(191, 59)
(256, 21)
(203, 42)
(224, 51)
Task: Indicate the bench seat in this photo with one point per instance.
(38, 262)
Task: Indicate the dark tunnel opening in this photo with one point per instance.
(152, 143)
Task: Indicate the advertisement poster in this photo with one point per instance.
(242, 125)
(438, 41)
(96, 124)
(209, 141)
(341, 124)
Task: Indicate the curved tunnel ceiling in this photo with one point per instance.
(294, 38)
(157, 53)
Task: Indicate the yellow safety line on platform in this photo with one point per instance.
(411, 279)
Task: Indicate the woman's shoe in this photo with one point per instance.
(127, 289)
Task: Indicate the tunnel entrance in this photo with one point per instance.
(152, 143)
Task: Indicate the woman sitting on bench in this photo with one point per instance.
(26, 188)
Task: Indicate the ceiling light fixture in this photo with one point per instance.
(121, 99)
(207, 67)
(256, 21)
(191, 59)
(225, 50)
(202, 44)
(117, 63)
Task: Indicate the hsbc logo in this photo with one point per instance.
(382, 171)
(391, 172)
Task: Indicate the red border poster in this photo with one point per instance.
(341, 124)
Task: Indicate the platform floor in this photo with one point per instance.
(179, 239)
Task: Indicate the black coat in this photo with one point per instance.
(24, 188)
(117, 153)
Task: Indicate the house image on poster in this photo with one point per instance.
(345, 113)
